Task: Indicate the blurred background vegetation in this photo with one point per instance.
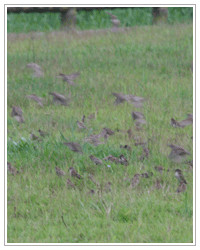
(93, 19)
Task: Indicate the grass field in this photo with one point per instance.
(148, 61)
(94, 19)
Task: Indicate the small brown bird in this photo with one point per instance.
(69, 78)
(119, 98)
(126, 147)
(114, 20)
(96, 160)
(35, 98)
(123, 160)
(108, 131)
(70, 184)
(81, 125)
(42, 133)
(135, 181)
(16, 111)
(74, 173)
(158, 184)
(139, 122)
(34, 137)
(177, 153)
(58, 98)
(182, 187)
(36, 68)
(146, 174)
(159, 169)
(112, 159)
(59, 172)
(75, 147)
(179, 176)
(11, 169)
(145, 153)
(174, 123)
(137, 115)
(83, 118)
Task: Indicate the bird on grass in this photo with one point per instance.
(69, 78)
(182, 123)
(179, 176)
(58, 98)
(42, 133)
(11, 169)
(123, 160)
(74, 173)
(114, 20)
(59, 172)
(36, 68)
(135, 181)
(35, 98)
(145, 154)
(177, 153)
(112, 159)
(81, 125)
(93, 140)
(17, 114)
(96, 160)
(182, 187)
(157, 184)
(137, 115)
(126, 147)
(75, 147)
(34, 137)
(146, 174)
(160, 169)
(70, 184)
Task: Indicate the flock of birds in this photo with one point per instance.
(178, 153)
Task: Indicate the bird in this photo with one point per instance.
(74, 173)
(36, 68)
(187, 121)
(83, 118)
(11, 169)
(70, 184)
(174, 123)
(126, 147)
(158, 184)
(16, 111)
(177, 153)
(35, 98)
(17, 114)
(69, 78)
(34, 137)
(137, 115)
(145, 153)
(96, 160)
(114, 20)
(59, 172)
(159, 169)
(179, 176)
(42, 133)
(74, 146)
(135, 181)
(139, 122)
(112, 159)
(108, 131)
(123, 160)
(93, 140)
(58, 98)
(182, 187)
(119, 98)
(137, 101)
(146, 174)
(81, 125)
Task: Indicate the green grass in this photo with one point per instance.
(151, 61)
(94, 19)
